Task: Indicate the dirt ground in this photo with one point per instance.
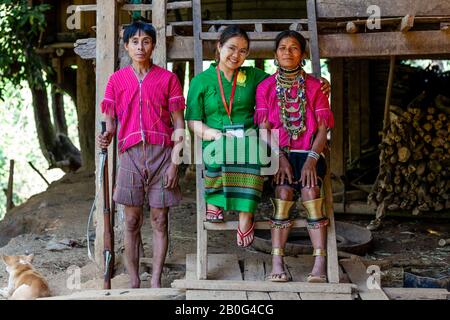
(58, 217)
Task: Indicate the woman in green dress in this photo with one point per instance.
(220, 109)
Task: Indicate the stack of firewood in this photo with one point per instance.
(415, 158)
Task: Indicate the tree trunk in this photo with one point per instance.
(56, 148)
(59, 115)
(86, 112)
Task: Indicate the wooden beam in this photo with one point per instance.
(255, 36)
(416, 293)
(412, 45)
(406, 23)
(263, 286)
(179, 5)
(106, 61)
(125, 294)
(254, 271)
(388, 8)
(254, 21)
(384, 44)
(159, 22)
(358, 274)
(232, 225)
(149, 7)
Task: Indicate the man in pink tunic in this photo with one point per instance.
(147, 101)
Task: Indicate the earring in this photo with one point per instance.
(303, 63)
(275, 62)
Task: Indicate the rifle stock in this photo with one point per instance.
(108, 245)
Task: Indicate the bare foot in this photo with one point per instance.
(319, 268)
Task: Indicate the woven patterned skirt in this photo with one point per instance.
(235, 183)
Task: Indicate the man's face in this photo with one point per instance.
(140, 47)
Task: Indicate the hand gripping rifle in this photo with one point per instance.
(108, 231)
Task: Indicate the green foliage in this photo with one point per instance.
(19, 142)
(21, 26)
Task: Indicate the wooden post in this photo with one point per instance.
(314, 39)
(364, 102)
(106, 60)
(381, 209)
(387, 120)
(159, 22)
(197, 29)
(9, 192)
(354, 85)
(202, 235)
(332, 261)
(337, 159)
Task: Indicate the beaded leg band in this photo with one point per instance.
(280, 218)
(315, 217)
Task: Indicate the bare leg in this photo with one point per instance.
(245, 223)
(160, 243)
(133, 222)
(280, 236)
(318, 236)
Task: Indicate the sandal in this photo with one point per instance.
(318, 279)
(279, 277)
(215, 216)
(245, 234)
(282, 276)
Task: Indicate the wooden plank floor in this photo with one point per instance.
(226, 267)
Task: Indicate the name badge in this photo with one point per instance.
(235, 130)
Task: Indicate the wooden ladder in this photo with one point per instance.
(202, 226)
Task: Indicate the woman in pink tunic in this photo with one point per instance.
(147, 101)
(291, 102)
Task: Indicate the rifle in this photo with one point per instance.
(108, 231)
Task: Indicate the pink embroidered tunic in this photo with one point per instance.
(317, 111)
(143, 108)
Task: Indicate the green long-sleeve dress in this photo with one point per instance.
(237, 185)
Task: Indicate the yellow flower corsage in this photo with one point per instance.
(241, 77)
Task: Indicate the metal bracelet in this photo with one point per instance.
(313, 155)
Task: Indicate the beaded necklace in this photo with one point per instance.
(292, 117)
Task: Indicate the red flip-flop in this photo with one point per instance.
(243, 235)
(216, 214)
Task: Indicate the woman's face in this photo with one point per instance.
(233, 52)
(289, 53)
(140, 47)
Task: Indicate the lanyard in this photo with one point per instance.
(225, 105)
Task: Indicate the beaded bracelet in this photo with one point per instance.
(313, 155)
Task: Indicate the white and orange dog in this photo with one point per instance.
(25, 283)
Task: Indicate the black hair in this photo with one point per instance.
(231, 32)
(291, 34)
(136, 26)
